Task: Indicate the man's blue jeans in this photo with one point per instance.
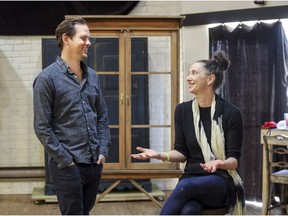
(192, 194)
(76, 187)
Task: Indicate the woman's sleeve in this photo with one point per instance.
(180, 140)
(234, 134)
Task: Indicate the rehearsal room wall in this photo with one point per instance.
(21, 61)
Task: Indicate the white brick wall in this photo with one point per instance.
(158, 8)
(20, 61)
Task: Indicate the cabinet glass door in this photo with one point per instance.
(136, 72)
(149, 89)
(106, 62)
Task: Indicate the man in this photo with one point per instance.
(71, 120)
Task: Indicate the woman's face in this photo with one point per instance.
(198, 79)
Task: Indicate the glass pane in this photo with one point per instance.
(106, 54)
(158, 139)
(151, 99)
(151, 54)
(113, 156)
(110, 89)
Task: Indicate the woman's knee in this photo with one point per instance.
(184, 185)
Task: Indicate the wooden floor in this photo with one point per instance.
(24, 205)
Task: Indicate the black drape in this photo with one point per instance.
(42, 17)
(256, 83)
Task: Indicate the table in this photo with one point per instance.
(271, 132)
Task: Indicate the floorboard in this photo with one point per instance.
(24, 205)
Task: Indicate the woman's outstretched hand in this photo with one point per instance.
(145, 154)
(229, 164)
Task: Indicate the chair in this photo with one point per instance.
(217, 211)
(276, 163)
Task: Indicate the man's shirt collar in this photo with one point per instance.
(65, 67)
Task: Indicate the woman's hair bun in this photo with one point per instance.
(220, 59)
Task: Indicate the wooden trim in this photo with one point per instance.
(150, 126)
(38, 173)
(262, 13)
(140, 174)
(22, 173)
(122, 106)
(175, 67)
(107, 33)
(123, 22)
(128, 78)
(146, 32)
(150, 73)
(152, 30)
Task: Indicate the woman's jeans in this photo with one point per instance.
(76, 187)
(193, 193)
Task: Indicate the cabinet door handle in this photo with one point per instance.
(122, 98)
(127, 100)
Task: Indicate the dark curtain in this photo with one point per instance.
(42, 17)
(256, 82)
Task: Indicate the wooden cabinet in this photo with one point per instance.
(137, 59)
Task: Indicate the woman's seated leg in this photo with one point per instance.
(210, 190)
(192, 207)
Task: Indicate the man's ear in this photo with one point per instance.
(65, 38)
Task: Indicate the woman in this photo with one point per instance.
(208, 137)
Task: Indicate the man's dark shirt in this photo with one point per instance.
(70, 118)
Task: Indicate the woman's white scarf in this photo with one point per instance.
(217, 145)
